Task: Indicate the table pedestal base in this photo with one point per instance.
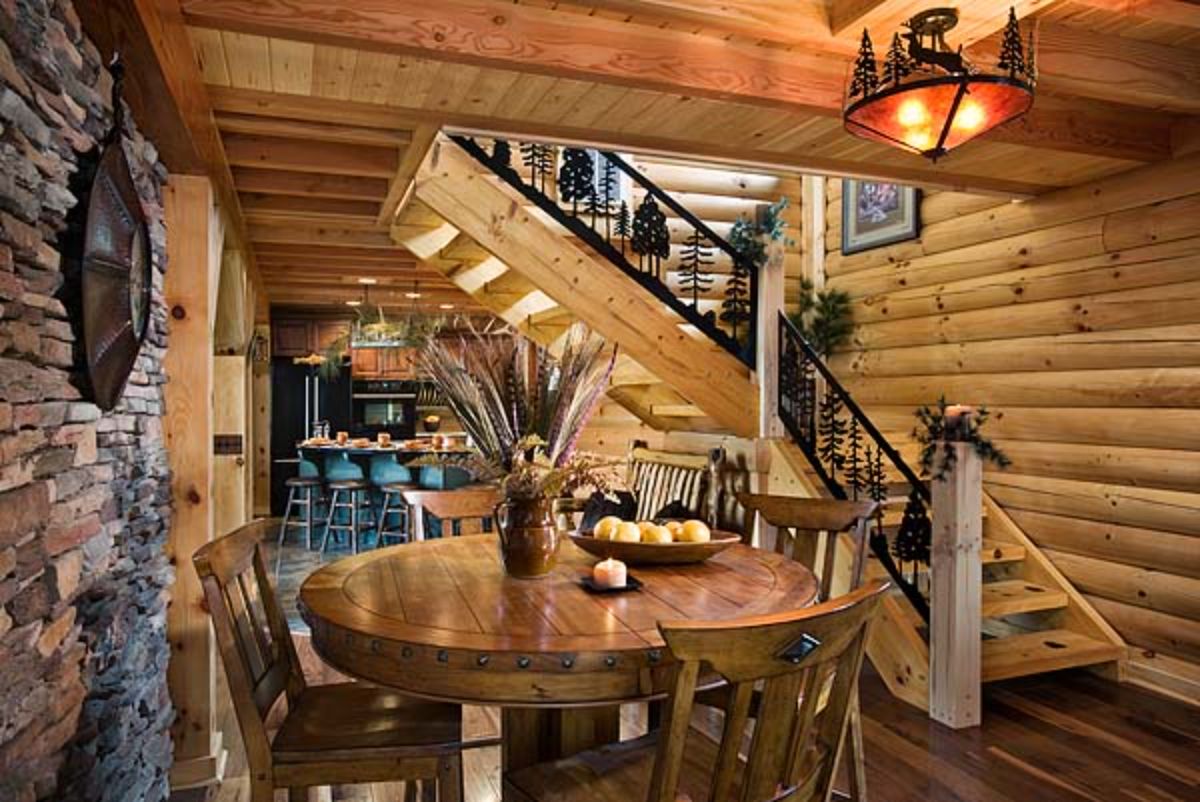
(536, 735)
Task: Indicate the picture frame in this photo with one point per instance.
(878, 213)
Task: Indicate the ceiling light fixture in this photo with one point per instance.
(445, 306)
(930, 99)
(368, 281)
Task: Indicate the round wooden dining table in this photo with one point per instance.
(440, 619)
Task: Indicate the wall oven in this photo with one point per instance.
(384, 406)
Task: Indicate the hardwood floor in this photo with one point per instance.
(1060, 737)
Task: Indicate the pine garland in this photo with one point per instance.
(931, 433)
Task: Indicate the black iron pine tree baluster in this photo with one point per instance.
(502, 153)
(576, 178)
(735, 309)
(831, 434)
(540, 161)
(609, 187)
(694, 257)
(651, 239)
(623, 225)
(856, 469)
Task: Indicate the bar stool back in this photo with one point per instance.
(391, 479)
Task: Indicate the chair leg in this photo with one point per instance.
(287, 514)
(450, 779)
(355, 503)
(333, 501)
(310, 510)
(429, 790)
(381, 524)
(852, 754)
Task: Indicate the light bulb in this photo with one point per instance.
(912, 113)
(445, 306)
(412, 295)
(353, 303)
(919, 139)
(970, 116)
(368, 281)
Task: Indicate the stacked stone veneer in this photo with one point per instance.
(84, 711)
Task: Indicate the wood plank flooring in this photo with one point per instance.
(1060, 737)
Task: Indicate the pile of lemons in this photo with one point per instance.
(613, 528)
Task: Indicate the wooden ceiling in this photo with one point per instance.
(317, 104)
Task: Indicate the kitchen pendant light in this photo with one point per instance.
(929, 99)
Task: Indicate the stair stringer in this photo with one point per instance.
(476, 271)
(596, 292)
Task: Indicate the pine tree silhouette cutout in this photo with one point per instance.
(866, 76)
(1030, 63)
(540, 161)
(898, 63)
(609, 187)
(576, 177)
(916, 532)
(857, 468)
(1012, 52)
(696, 256)
(735, 308)
(502, 153)
(831, 433)
(622, 227)
(651, 240)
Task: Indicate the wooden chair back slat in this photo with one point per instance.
(808, 527)
(468, 507)
(256, 649)
(658, 478)
(794, 656)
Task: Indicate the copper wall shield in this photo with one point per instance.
(116, 276)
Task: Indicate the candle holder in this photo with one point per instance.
(956, 423)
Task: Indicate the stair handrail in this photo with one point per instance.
(802, 429)
(599, 242)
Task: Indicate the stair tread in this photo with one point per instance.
(991, 553)
(1013, 596)
(1038, 652)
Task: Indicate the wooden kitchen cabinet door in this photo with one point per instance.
(364, 363)
(291, 338)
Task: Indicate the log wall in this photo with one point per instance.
(1075, 317)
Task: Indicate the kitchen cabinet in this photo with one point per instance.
(384, 363)
(292, 338)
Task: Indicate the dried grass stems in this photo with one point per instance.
(525, 409)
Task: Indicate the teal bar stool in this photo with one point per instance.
(391, 479)
(350, 508)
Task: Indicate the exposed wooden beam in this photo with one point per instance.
(315, 185)
(1084, 63)
(400, 190)
(297, 206)
(366, 255)
(321, 132)
(733, 154)
(1184, 13)
(277, 153)
(976, 19)
(533, 39)
(308, 234)
(1099, 129)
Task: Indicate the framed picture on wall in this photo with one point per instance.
(876, 213)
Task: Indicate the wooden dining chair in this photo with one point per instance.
(808, 527)
(337, 734)
(465, 509)
(810, 654)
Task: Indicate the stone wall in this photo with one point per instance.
(84, 710)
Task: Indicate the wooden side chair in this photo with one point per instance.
(343, 733)
(809, 654)
(465, 509)
(803, 525)
(658, 478)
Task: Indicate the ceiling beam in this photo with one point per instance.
(277, 153)
(311, 185)
(298, 206)
(1184, 13)
(522, 38)
(1117, 134)
(321, 132)
(976, 20)
(1084, 63)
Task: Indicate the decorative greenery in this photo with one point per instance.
(825, 319)
(752, 238)
(931, 432)
(524, 409)
(380, 332)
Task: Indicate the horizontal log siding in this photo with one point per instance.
(1076, 318)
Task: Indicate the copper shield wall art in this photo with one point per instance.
(116, 269)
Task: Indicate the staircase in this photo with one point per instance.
(540, 261)
(532, 264)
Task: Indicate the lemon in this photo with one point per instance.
(695, 532)
(656, 534)
(627, 532)
(605, 527)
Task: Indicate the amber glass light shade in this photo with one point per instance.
(932, 116)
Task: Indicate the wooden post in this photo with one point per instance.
(770, 305)
(260, 397)
(194, 257)
(956, 570)
(229, 444)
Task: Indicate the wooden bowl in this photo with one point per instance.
(656, 553)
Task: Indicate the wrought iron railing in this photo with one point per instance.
(635, 237)
(850, 456)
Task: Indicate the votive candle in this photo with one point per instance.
(610, 573)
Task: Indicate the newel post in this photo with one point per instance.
(956, 572)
